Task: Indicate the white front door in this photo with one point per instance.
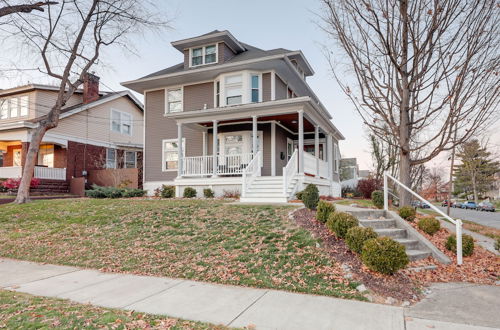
(238, 143)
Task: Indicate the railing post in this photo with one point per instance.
(244, 185)
(285, 185)
(386, 193)
(459, 241)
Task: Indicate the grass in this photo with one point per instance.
(23, 311)
(360, 202)
(206, 240)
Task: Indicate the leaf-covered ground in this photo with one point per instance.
(23, 311)
(206, 240)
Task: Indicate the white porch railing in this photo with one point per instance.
(11, 172)
(457, 222)
(323, 168)
(290, 171)
(50, 173)
(226, 165)
(309, 163)
(252, 171)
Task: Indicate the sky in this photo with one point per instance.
(265, 24)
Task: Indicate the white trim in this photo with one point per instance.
(273, 148)
(163, 169)
(210, 36)
(203, 54)
(125, 158)
(115, 145)
(273, 85)
(107, 159)
(173, 88)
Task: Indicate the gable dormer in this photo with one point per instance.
(212, 48)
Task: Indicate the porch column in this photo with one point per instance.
(205, 144)
(329, 153)
(273, 148)
(214, 148)
(254, 135)
(316, 148)
(180, 153)
(301, 141)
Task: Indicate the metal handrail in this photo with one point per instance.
(457, 222)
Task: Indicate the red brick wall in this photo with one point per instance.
(59, 157)
(82, 157)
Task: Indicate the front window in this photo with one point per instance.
(174, 100)
(130, 159)
(121, 122)
(255, 88)
(234, 90)
(171, 154)
(14, 107)
(111, 158)
(4, 108)
(204, 55)
(46, 156)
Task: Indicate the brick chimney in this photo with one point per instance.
(90, 88)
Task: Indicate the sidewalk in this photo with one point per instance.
(239, 306)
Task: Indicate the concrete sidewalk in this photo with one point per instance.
(239, 306)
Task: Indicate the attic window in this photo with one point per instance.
(203, 55)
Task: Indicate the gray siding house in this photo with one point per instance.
(235, 117)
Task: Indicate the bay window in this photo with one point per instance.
(203, 55)
(234, 89)
(255, 92)
(4, 108)
(14, 107)
(174, 100)
(24, 105)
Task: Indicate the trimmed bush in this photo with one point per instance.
(104, 192)
(378, 199)
(384, 255)
(129, 192)
(497, 244)
(189, 192)
(208, 193)
(357, 236)
(324, 211)
(340, 222)
(429, 225)
(299, 194)
(408, 213)
(310, 196)
(467, 244)
(167, 191)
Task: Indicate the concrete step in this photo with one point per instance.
(391, 232)
(254, 199)
(265, 184)
(410, 244)
(417, 254)
(378, 223)
(265, 194)
(265, 190)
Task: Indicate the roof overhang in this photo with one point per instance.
(224, 36)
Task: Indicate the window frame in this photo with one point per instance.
(21, 107)
(163, 159)
(125, 162)
(233, 85)
(167, 102)
(107, 158)
(122, 122)
(203, 55)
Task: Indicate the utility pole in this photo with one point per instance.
(450, 185)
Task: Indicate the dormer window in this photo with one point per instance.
(203, 55)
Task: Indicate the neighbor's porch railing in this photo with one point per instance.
(252, 171)
(50, 173)
(457, 222)
(11, 172)
(226, 165)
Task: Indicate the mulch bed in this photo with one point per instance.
(482, 267)
(398, 286)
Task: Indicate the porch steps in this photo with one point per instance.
(51, 186)
(387, 227)
(266, 189)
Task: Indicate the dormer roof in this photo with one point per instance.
(211, 37)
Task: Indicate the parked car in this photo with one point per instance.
(486, 206)
(469, 205)
(420, 205)
(445, 203)
(457, 204)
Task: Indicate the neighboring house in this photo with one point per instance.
(97, 130)
(237, 118)
(349, 172)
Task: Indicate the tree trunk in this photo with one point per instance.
(23, 192)
(474, 188)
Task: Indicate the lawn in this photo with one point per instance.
(360, 202)
(23, 311)
(206, 240)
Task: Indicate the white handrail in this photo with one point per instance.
(250, 172)
(289, 171)
(457, 222)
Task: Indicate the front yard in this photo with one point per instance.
(206, 240)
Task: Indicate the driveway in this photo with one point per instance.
(491, 219)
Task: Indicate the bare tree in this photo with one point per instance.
(69, 38)
(423, 70)
(24, 7)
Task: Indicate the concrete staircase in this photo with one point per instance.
(268, 189)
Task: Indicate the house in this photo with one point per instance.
(349, 172)
(97, 130)
(233, 117)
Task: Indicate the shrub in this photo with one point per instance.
(378, 199)
(357, 236)
(299, 195)
(104, 192)
(467, 244)
(408, 213)
(13, 184)
(367, 186)
(497, 244)
(208, 193)
(189, 192)
(131, 192)
(230, 194)
(2, 188)
(384, 255)
(429, 225)
(310, 196)
(167, 191)
(324, 211)
(340, 222)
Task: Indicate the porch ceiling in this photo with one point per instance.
(289, 120)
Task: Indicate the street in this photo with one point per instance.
(491, 219)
